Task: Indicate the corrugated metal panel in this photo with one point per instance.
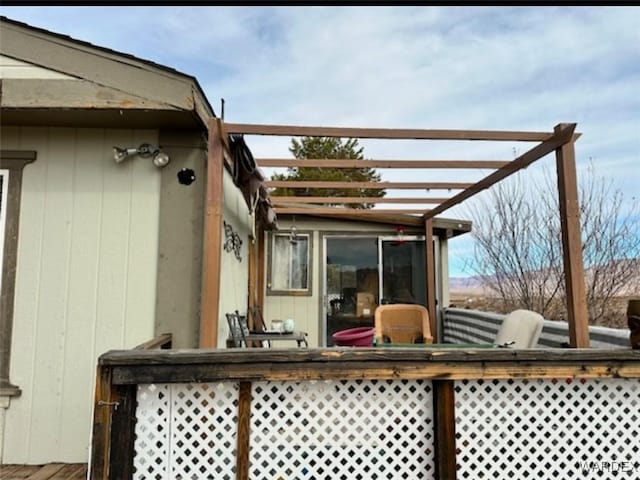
(85, 283)
(12, 68)
(472, 326)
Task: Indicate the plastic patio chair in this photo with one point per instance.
(520, 329)
(402, 323)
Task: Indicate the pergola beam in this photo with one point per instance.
(430, 268)
(351, 163)
(386, 133)
(577, 312)
(560, 137)
(371, 185)
(339, 211)
(323, 200)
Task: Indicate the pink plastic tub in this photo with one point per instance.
(355, 337)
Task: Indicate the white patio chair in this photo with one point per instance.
(520, 329)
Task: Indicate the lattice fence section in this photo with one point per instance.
(518, 429)
(327, 430)
(186, 431)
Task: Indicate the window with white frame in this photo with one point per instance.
(289, 264)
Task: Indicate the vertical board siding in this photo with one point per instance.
(53, 276)
(83, 273)
(85, 282)
(234, 274)
(18, 423)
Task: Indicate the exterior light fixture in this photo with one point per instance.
(145, 150)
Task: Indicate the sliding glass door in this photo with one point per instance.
(351, 283)
(402, 268)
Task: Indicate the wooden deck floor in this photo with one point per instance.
(52, 471)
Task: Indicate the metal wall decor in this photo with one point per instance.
(232, 241)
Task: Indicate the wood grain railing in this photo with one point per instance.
(163, 341)
(459, 381)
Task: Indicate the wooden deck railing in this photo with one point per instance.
(340, 413)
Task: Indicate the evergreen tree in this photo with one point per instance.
(330, 148)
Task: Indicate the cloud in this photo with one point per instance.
(516, 68)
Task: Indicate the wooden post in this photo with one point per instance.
(430, 269)
(114, 420)
(577, 313)
(100, 440)
(244, 426)
(212, 239)
(252, 293)
(261, 269)
(123, 422)
(444, 427)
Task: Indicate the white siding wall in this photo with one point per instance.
(85, 283)
(234, 274)
(11, 68)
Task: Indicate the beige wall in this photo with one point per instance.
(86, 280)
(180, 237)
(234, 273)
(304, 310)
(307, 310)
(12, 68)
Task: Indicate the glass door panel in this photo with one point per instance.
(351, 283)
(402, 267)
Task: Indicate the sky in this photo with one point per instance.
(485, 68)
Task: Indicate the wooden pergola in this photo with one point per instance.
(561, 140)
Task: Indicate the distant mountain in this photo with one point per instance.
(475, 284)
(466, 285)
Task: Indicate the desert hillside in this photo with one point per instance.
(471, 293)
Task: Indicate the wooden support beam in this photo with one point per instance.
(243, 434)
(372, 185)
(276, 200)
(444, 428)
(339, 211)
(406, 220)
(430, 268)
(267, 364)
(261, 267)
(252, 294)
(212, 247)
(122, 441)
(100, 439)
(578, 316)
(386, 133)
(348, 163)
(559, 138)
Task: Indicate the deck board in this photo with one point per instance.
(51, 471)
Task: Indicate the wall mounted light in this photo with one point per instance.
(145, 150)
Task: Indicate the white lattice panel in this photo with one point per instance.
(186, 431)
(513, 429)
(326, 430)
(152, 432)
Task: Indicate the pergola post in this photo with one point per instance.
(577, 313)
(430, 277)
(212, 245)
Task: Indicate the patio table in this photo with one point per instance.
(299, 337)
